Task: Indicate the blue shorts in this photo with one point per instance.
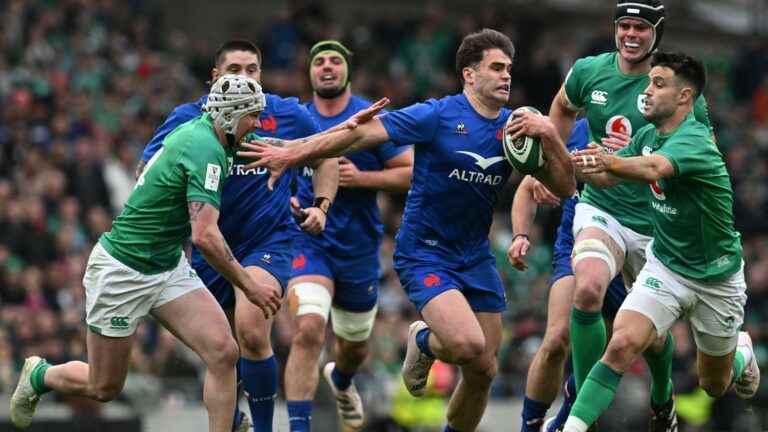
(273, 256)
(355, 278)
(480, 283)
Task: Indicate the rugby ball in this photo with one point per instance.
(524, 153)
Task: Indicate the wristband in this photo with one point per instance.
(521, 235)
(322, 203)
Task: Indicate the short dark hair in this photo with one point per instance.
(235, 45)
(686, 68)
(474, 45)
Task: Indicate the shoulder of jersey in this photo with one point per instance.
(279, 105)
(600, 60)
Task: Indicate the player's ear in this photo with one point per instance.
(214, 74)
(686, 95)
(469, 75)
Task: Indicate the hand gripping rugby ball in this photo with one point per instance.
(524, 153)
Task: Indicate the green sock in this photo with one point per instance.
(660, 365)
(738, 365)
(597, 394)
(37, 377)
(588, 341)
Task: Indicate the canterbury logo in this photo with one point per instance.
(482, 162)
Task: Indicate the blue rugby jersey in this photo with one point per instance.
(353, 227)
(250, 212)
(459, 171)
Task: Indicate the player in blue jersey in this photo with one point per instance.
(257, 223)
(443, 255)
(546, 370)
(337, 271)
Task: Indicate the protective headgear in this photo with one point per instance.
(337, 47)
(231, 98)
(650, 11)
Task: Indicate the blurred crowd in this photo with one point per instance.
(84, 83)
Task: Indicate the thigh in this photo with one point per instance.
(196, 319)
(248, 316)
(715, 366)
(451, 319)
(108, 359)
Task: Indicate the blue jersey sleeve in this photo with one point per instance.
(416, 124)
(181, 114)
(579, 136)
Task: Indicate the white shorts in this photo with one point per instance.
(631, 243)
(117, 296)
(715, 310)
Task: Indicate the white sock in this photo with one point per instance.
(575, 424)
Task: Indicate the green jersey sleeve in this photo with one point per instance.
(205, 167)
(691, 152)
(701, 112)
(575, 82)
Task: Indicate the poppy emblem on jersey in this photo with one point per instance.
(299, 262)
(619, 124)
(461, 129)
(269, 124)
(431, 280)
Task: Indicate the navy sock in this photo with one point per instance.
(300, 415)
(565, 408)
(341, 380)
(533, 415)
(422, 341)
(449, 429)
(260, 387)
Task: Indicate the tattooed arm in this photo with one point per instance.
(208, 239)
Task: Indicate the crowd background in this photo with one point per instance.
(84, 83)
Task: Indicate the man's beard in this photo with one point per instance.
(330, 93)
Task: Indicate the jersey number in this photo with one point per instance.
(151, 161)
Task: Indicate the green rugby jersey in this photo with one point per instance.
(191, 166)
(613, 101)
(692, 211)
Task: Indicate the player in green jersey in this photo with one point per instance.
(138, 268)
(694, 266)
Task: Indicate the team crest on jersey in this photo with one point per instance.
(268, 124)
(461, 129)
(619, 124)
(641, 102)
(299, 262)
(599, 97)
(431, 280)
(646, 151)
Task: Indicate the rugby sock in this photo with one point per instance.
(533, 415)
(37, 378)
(594, 397)
(299, 415)
(588, 341)
(660, 365)
(260, 387)
(569, 397)
(422, 341)
(341, 380)
(449, 429)
(739, 363)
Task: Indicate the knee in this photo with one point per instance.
(106, 392)
(713, 386)
(556, 343)
(222, 353)
(253, 338)
(310, 333)
(589, 294)
(465, 349)
(622, 349)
